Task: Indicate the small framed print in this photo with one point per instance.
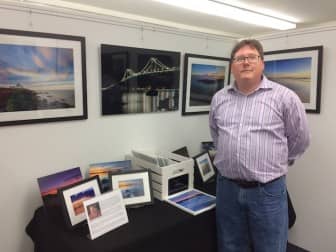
(73, 197)
(204, 166)
(135, 187)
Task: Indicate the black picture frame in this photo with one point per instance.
(203, 76)
(72, 198)
(139, 80)
(43, 77)
(135, 186)
(204, 167)
(299, 69)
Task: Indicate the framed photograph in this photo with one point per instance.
(300, 70)
(50, 184)
(193, 201)
(204, 166)
(103, 170)
(203, 77)
(42, 77)
(139, 80)
(73, 196)
(135, 187)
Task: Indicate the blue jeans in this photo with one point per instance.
(251, 217)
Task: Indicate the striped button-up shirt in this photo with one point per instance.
(257, 135)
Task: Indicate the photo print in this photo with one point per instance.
(78, 198)
(73, 198)
(49, 185)
(103, 170)
(138, 80)
(131, 188)
(42, 77)
(135, 187)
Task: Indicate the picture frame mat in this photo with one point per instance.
(147, 198)
(205, 156)
(74, 189)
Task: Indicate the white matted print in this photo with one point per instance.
(74, 196)
(204, 165)
(135, 187)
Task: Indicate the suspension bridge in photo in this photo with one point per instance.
(153, 66)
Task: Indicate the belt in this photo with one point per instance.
(251, 184)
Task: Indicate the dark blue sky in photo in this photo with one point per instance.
(288, 65)
(88, 193)
(35, 64)
(59, 179)
(203, 69)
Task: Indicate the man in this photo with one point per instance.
(259, 127)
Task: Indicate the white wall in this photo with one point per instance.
(31, 151)
(311, 181)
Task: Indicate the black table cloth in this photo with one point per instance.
(158, 227)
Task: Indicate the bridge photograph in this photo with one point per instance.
(137, 80)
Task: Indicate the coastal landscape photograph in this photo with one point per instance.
(206, 80)
(293, 73)
(36, 78)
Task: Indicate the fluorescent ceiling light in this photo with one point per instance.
(222, 8)
(140, 20)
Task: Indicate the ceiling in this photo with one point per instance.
(310, 13)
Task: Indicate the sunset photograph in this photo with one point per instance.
(295, 74)
(49, 185)
(42, 79)
(205, 81)
(78, 198)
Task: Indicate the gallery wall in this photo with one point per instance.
(311, 181)
(35, 150)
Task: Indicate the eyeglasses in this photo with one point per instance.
(252, 58)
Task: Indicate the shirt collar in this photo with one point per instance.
(264, 84)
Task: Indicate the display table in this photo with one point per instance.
(158, 227)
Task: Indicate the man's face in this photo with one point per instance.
(247, 66)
